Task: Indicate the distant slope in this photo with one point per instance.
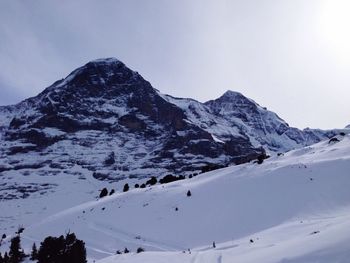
(278, 204)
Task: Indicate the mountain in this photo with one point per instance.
(262, 126)
(106, 118)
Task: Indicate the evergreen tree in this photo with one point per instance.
(16, 253)
(126, 188)
(139, 250)
(171, 178)
(1, 259)
(20, 230)
(104, 192)
(34, 254)
(67, 249)
(51, 250)
(75, 250)
(152, 181)
(189, 193)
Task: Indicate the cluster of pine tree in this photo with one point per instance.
(66, 249)
(61, 249)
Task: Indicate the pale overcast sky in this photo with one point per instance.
(292, 56)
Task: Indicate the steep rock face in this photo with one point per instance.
(261, 125)
(105, 109)
(94, 97)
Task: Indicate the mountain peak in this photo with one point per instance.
(105, 62)
(231, 93)
(99, 72)
(234, 97)
(110, 60)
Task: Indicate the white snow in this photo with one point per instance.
(106, 60)
(295, 208)
(200, 115)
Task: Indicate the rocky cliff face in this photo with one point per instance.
(261, 125)
(106, 118)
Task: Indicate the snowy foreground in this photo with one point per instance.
(291, 208)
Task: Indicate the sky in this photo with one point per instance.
(291, 56)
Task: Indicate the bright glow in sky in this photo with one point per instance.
(292, 56)
(335, 22)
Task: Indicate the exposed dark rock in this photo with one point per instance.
(33, 136)
(16, 123)
(132, 123)
(333, 140)
(110, 159)
(106, 118)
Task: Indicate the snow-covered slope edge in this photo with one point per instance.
(291, 206)
(293, 242)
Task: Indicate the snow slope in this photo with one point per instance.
(294, 207)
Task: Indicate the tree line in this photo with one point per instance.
(63, 249)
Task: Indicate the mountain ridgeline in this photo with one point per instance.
(107, 119)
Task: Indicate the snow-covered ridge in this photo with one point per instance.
(106, 105)
(201, 115)
(106, 60)
(262, 125)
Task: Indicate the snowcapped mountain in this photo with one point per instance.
(107, 118)
(261, 125)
